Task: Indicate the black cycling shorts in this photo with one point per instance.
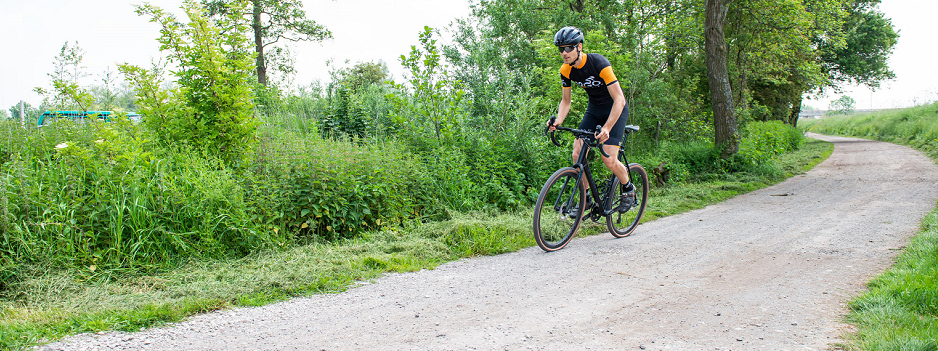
(599, 114)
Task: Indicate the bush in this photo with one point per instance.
(100, 197)
(327, 189)
(212, 110)
(762, 141)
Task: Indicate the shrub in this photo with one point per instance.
(762, 141)
(212, 109)
(327, 189)
(100, 197)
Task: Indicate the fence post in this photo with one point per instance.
(22, 116)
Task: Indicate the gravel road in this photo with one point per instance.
(768, 270)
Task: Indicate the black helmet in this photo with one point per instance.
(568, 36)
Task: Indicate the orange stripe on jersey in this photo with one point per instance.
(565, 70)
(607, 75)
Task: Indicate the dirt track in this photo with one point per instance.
(769, 270)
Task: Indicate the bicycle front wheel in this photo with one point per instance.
(559, 209)
(628, 206)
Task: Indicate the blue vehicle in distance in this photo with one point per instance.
(50, 117)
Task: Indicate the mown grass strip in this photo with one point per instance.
(56, 306)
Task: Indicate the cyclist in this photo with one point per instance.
(607, 106)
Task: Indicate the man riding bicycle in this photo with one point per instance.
(607, 106)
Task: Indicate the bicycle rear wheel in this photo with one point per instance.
(559, 209)
(629, 206)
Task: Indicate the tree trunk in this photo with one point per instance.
(795, 111)
(721, 93)
(259, 43)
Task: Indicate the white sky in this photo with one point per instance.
(33, 31)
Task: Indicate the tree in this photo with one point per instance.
(845, 105)
(356, 97)
(811, 45)
(721, 93)
(212, 109)
(32, 113)
(432, 113)
(271, 21)
(66, 92)
(869, 40)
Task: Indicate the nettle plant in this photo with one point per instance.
(212, 107)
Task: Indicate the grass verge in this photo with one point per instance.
(900, 310)
(54, 303)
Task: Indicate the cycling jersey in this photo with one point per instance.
(594, 74)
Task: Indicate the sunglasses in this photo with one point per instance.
(566, 48)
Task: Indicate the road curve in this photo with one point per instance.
(768, 270)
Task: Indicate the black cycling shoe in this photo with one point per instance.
(629, 188)
(628, 198)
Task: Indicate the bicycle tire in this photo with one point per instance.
(628, 208)
(555, 223)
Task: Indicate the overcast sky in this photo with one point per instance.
(33, 31)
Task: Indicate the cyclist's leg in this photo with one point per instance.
(577, 144)
(588, 122)
(611, 146)
(612, 162)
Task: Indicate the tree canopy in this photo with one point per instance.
(270, 22)
(776, 51)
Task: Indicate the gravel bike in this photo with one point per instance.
(571, 194)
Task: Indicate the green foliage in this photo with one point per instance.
(212, 109)
(32, 113)
(761, 145)
(99, 199)
(358, 101)
(870, 39)
(326, 190)
(66, 92)
(429, 111)
(845, 105)
(763, 141)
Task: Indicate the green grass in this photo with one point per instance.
(900, 309)
(916, 127)
(53, 303)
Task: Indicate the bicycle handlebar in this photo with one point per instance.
(588, 136)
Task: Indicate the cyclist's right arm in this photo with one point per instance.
(564, 108)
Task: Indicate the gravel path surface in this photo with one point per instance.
(768, 270)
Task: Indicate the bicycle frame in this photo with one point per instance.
(582, 165)
(553, 227)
